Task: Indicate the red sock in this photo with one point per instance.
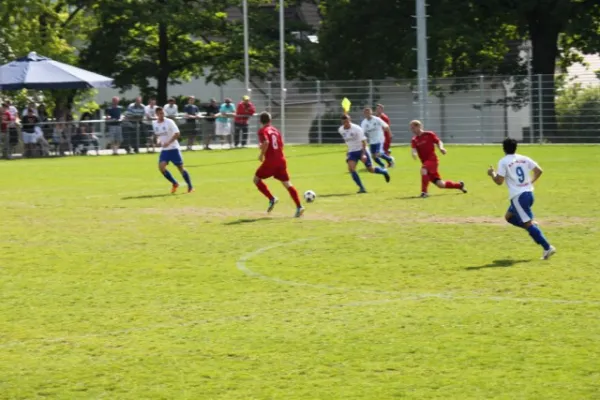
(424, 183)
(264, 190)
(452, 185)
(294, 194)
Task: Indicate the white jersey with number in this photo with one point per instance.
(353, 136)
(165, 131)
(373, 128)
(516, 170)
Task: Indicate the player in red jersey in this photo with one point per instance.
(423, 144)
(273, 164)
(388, 134)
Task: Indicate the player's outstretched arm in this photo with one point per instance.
(498, 179)
(414, 153)
(264, 145)
(440, 146)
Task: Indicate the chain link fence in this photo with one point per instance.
(472, 110)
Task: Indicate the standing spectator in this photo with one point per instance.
(245, 110)
(191, 111)
(44, 123)
(113, 115)
(32, 135)
(171, 109)
(13, 132)
(136, 112)
(224, 117)
(31, 106)
(211, 110)
(5, 119)
(150, 115)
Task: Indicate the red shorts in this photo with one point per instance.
(387, 143)
(432, 170)
(274, 170)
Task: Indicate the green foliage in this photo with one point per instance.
(578, 113)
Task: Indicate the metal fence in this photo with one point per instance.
(479, 109)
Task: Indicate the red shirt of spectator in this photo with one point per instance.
(245, 109)
(6, 118)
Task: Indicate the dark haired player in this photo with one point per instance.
(515, 170)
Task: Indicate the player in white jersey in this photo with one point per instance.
(515, 170)
(356, 141)
(167, 133)
(374, 127)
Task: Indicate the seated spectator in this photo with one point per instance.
(83, 139)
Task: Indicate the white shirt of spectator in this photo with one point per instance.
(150, 113)
(171, 110)
(353, 136)
(14, 113)
(373, 128)
(516, 170)
(165, 131)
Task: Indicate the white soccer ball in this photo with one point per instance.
(310, 196)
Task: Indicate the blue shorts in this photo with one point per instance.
(356, 156)
(520, 207)
(376, 148)
(171, 156)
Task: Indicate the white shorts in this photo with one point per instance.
(223, 128)
(32, 138)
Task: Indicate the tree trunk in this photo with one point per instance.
(544, 31)
(162, 77)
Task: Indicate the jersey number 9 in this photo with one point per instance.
(520, 174)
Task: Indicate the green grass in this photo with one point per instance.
(110, 289)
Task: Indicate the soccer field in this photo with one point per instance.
(111, 288)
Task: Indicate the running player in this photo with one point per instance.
(374, 128)
(423, 144)
(515, 170)
(387, 143)
(357, 151)
(167, 133)
(273, 164)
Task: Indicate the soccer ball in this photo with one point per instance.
(310, 196)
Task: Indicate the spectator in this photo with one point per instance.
(191, 111)
(171, 109)
(44, 123)
(211, 110)
(90, 137)
(33, 136)
(113, 115)
(13, 132)
(83, 139)
(150, 115)
(245, 110)
(60, 138)
(224, 117)
(5, 119)
(30, 106)
(135, 115)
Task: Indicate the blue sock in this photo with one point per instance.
(186, 176)
(537, 235)
(381, 171)
(356, 179)
(379, 162)
(387, 158)
(169, 177)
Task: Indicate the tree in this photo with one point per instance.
(578, 113)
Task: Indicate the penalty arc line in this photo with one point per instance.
(242, 265)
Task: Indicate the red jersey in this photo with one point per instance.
(271, 135)
(425, 145)
(385, 118)
(243, 112)
(5, 118)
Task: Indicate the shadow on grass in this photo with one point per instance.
(433, 195)
(498, 264)
(242, 221)
(336, 195)
(148, 196)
